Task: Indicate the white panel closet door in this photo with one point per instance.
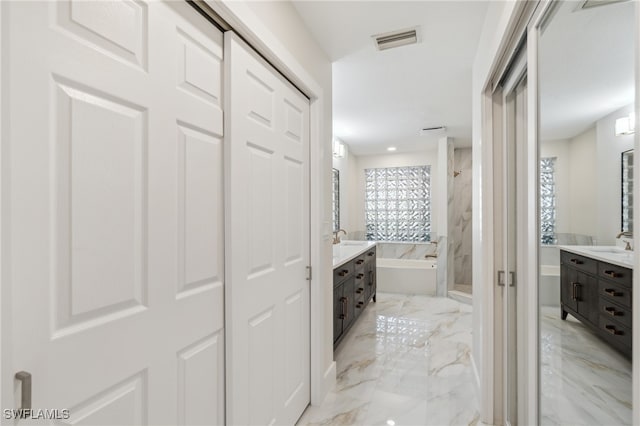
(267, 304)
(116, 210)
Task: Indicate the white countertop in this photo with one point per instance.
(347, 250)
(610, 254)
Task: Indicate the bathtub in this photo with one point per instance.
(549, 281)
(408, 276)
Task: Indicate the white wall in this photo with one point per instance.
(588, 179)
(346, 166)
(576, 182)
(608, 153)
(356, 198)
(583, 182)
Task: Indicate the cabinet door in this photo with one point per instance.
(349, 295)
(588, 299)
(373, 284)
(370, 271)
(338, 311)
(568, 278)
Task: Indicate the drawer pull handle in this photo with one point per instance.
(612, 329)
(576, 261)
(360, 276)
(613, 312)
(343, 272)
(370, 253)
(25, 394)
(612, 292)
(360, 290)
(574, 291)
(612, 274)
(359, 261)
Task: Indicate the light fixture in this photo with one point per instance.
(391, 422)
(338, 148)
(391, 148)
(626, 125)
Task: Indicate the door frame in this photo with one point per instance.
(6, 363)
(525, 22)
(246, 24)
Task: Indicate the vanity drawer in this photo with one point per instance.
(361, 282)
(615, 292)
(615, 332)
(342, 272)
(370, 255)
(614, 273)
(579, 262)
(615, 312)
(358, 262)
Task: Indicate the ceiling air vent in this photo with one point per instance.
(430, 130)
(396, 39)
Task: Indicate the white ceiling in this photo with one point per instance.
(586, 67)
(383, 98)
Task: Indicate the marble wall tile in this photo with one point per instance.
(460, 217)
(405, 250)
(450, 264)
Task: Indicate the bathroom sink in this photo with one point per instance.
(613, 250)
(354, 243)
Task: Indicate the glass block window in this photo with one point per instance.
(336, 200)
(627, 191)
(548, 201)
(398, 204)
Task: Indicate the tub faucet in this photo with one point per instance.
(336, 236)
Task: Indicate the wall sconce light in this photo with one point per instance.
(338, 148)
(626, 125)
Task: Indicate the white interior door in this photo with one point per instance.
(116, 215)
(267, 306)
(510, 116)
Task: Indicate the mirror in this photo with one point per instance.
(335, 200)
(586, 83)
(627, 191)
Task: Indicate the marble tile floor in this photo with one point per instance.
(406, 361)
(583, 380)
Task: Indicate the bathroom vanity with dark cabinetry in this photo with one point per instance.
(354, 285)
(598, 293)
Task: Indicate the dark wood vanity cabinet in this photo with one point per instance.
(599, 295)
(354, 285)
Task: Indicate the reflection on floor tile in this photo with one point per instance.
(583, 380)
(405, 362)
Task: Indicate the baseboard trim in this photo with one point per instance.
(476, 374)
(328, 383)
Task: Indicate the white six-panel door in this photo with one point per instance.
(116, 211)
(267, 134)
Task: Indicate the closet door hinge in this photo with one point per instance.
(309, 273)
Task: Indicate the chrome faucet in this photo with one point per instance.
(336, 236)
